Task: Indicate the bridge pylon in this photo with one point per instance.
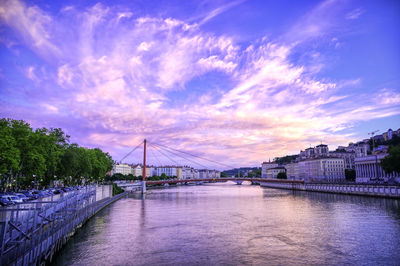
(144, 168)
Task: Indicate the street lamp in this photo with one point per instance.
(34, 184)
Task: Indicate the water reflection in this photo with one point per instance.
(229, 224)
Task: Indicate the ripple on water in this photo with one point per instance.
(238, 225)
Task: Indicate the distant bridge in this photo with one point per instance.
(239, 181)
(222, 179)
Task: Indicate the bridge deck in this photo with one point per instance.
(175, 181)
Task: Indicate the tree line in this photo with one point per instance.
(131, 177)
(31, 158)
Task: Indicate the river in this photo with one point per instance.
(227, 224)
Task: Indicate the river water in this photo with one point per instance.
(226, 224)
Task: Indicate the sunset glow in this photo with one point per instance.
(237, 81)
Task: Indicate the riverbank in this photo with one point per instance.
(349, 189)
(32, 234)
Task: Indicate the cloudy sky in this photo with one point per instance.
(236, 81)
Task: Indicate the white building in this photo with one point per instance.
(188, 172)
(122, 168)
(168, 171)
(292, 170)
(322, 169)
(203, 173)
(273, 172)
(368, 169)
(321, 150)
(318, 151)
(360, 149)
(138, 170)
(214, 174)
(347, 156)
(265, 166)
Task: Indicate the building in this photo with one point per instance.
(360, 149)
(273, 172)
(380, 149)
(168, 171)
(179, 172)
(187, 172)
(322, 169)
(138, 170)
(265, 166)
(320, 150)
(347, 156)
(390, 133)
(292, 170)
(368, 169)
(378, 138)
(122, 168)
(214, 174)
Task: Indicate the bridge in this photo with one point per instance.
(171, 152)
(134, 186)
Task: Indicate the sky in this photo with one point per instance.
(238, 82)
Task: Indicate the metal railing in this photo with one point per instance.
(31, 232)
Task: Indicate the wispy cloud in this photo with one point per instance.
(219, 10)
(355, 14)
(116, 78)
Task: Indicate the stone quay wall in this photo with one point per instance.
(31, 232)
(350, 189)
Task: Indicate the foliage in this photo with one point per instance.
(234, 172)
(37, 157)
(130, 177)
(281, 175)
(395, 141)
(116, 189)
(256, 173)
(391, 163)
(285, 159)
(350, 174)
(223, 174)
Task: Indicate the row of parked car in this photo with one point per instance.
(11, 198)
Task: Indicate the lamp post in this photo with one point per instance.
(35, 185)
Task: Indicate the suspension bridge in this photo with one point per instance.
(175, 157)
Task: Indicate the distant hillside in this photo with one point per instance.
(244, 171)
(286, 159)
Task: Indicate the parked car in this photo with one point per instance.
(22, 196)
(29, 195)
(13, 198)
(48, 192)
(4, 201)
(39, 194)
(56, 191)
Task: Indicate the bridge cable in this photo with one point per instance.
(226, 165)
(155, 156)
(129, 153)
(162, 153)
(176, 154)
(186, 159)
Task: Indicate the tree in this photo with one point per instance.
(43, 155)
(9, 153)
(281, 175)
(163, 176)
(285, 159)
(32, 163)
(350, 174)
(391, 163)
